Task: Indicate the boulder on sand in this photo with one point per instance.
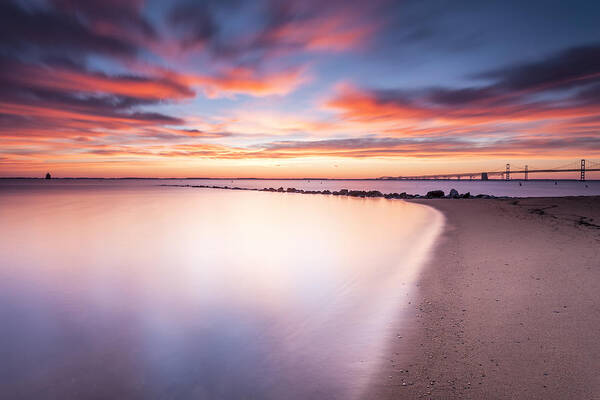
(453, 194)
(435, 194)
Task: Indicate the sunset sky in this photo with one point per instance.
(273, 88)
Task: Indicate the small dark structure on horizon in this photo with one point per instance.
(48, 176)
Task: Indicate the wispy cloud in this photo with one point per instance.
(106, 81)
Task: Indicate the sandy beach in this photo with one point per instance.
(507, 307)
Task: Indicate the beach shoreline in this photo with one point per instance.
(506, 307)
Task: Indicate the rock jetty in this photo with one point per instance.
(433, 194)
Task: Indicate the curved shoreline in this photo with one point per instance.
(506, 307)
(426, 248)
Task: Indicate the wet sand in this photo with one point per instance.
(507, 308)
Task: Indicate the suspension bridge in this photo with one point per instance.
(519, 172)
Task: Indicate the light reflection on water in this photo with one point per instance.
(163, 292)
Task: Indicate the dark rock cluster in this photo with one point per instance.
(434, 194)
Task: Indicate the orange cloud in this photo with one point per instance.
(247, 81)
(371, 106)
(152, 88)
(357, 104)
(330, 33)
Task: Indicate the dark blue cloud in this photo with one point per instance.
(571, 67)
(49, 31)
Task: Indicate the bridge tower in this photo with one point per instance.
(507, 175)
(526, 172)
(582, 171)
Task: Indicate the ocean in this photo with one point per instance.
(129, 289)
(512, 188)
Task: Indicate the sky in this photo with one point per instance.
(297, 88)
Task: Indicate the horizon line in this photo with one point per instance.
(292, 179)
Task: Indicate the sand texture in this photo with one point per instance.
(507, 308)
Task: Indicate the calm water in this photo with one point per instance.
(494, 187)
(132, 290)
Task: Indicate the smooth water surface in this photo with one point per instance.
(116, 290)
(512, 188)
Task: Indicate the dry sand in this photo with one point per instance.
(508, 307)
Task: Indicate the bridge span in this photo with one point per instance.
(583, 167)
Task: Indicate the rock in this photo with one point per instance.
(374, 193)
(48, 176)
(466, 195)
(280, 189)
(453, 194)
(435, 194)
(395, 195)
(343, 192)
(326, 192)
(357, 193)
(291, 190)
